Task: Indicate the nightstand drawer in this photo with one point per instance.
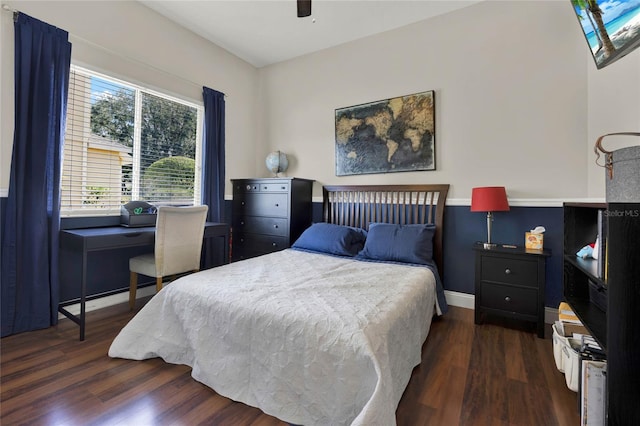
(509, 299)
(261, 225)
(509, 271)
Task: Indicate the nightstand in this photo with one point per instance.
(510, 284)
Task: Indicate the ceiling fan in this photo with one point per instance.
(304, 8)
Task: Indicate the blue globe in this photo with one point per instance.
(277, 162)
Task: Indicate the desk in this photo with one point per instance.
(83, 241)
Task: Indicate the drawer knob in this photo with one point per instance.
(277, 205)
(242, 222)
(248, 187)
(275, 226)
(274, 244)
(507, 299)
(507, 271)
(283, 187)
(242, 203)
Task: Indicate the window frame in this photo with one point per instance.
(87, 211)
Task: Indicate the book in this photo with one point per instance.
(600, 249)
(568, 323)
(593, 400)
(566, 314)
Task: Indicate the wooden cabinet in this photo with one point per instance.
(617, 329)
(269, 214)
(510, 283)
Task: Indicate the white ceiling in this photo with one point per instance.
(264, 32)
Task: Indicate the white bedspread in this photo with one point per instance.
(308, 338)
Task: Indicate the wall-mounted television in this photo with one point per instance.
(611, 27)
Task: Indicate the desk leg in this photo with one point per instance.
(227, 255)
(83, 293)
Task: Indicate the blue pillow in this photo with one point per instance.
(399, 243)
(332, 239)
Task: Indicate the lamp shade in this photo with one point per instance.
(489, 199)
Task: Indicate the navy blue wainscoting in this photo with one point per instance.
(463, 228)
(3, 209)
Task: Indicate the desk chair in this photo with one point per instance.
(178, 246)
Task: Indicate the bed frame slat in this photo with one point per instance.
(360, 205)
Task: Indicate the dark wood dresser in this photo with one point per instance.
(510, 283)
(269, 214)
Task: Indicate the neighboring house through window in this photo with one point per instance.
(124, 142)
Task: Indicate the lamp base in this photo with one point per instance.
(489, 245)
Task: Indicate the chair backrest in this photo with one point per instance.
(179, 232)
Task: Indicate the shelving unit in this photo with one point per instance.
(618, 329)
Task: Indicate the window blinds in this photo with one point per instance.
(125, 143)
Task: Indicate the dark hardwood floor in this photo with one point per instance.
(469, 375)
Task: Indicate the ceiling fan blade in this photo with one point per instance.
(304, 8)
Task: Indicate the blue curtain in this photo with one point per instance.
(30, 289)
(213, 154)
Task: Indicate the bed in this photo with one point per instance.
(325, 332)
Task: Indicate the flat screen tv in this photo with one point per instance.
(611, 27)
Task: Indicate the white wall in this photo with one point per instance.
(6, 98)
(142, 46)
(519, 101)
(512, 108)
(614, 106)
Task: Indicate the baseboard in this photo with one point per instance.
(107, 301)
(461, 300)
(465, 300)
(550, 315)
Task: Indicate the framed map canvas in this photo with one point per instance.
(393, 135)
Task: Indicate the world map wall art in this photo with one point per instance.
(393, 135)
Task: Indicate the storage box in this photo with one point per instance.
(571, 363)
(533, 241)
(559, 341)
(567, 357)
(137, 214)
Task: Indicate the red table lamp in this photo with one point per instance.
(489, 199)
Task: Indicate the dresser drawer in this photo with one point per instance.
(510, 299)
(509, 271)
(244, 187)
(274, 187)
(261, 225)
(248, 187)
(275, 204)
(246, 246)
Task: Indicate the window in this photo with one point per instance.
(124, 143)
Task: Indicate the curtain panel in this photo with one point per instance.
(29, 288)
(213, 162)
(213, 154)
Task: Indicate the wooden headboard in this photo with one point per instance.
(360, 205)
